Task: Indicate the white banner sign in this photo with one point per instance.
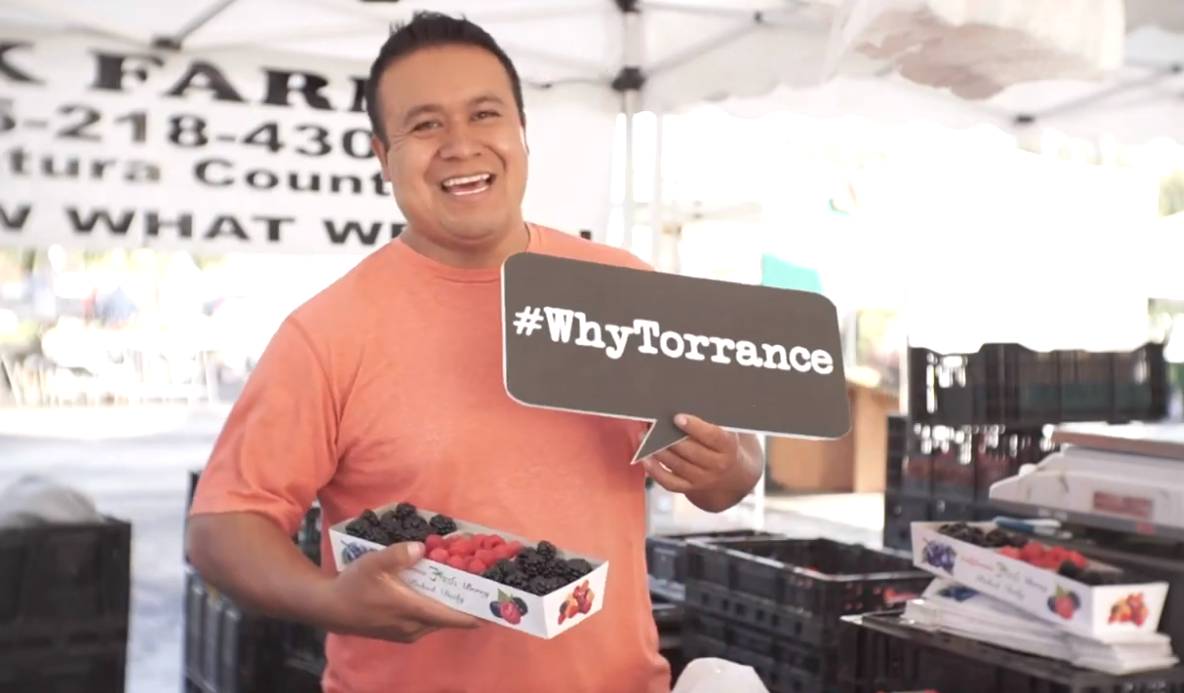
(103, 146)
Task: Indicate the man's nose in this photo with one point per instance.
(460, 142)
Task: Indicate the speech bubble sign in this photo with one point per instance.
(597, 339)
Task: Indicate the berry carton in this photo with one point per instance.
(506, 579)
(1057, 585)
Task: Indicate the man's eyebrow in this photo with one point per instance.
(433, 108)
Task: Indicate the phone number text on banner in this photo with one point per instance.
(104, 146)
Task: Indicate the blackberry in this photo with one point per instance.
(530, 563)
(518, 581)
(389, 523)
(375, 534)
(443, 525)
(357, 528)
(418, 533)
(576, 568)
(416, 523)
(520, 603)
(496, 574)
(547, 550)
(1070, 570)
(404, 510)
(506, 566)
(544, 585)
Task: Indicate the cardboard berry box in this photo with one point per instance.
(1051, 583)
(453, 572)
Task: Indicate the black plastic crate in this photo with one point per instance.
(1011, 385)
(302, 642)
(810, 581)
(308, 538)
(783, 663)
(900, 512)
(1000, 452)
(227, 650)
(668, 615)
(666, 558)
(95, 667)
(64, 584)
(953, 511)
(898, 443)
(950, 452)
(194, 477)
(301, 676)
(880, 652)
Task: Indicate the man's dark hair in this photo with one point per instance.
(432, 30)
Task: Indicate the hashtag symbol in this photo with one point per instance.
(527, 320)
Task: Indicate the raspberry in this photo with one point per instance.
(434, 541)
(461, 547)
(457, 562)
(486, 556)
(495, 541)
(439, 555)
(476, 567)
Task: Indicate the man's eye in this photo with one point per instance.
(482, 115)
(425, 125)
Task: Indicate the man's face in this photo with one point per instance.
(456, 156)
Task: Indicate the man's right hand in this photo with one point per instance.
(370, 599)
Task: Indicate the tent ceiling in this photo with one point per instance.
(1141, 102)
(693, 49)
(753, 56)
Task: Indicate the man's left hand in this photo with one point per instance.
(706, 460)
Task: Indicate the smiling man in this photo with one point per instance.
(387, 387)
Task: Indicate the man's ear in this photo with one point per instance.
(379, 149)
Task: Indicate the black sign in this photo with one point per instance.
(598, 339)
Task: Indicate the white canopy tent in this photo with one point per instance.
(604, 57)
(610, 56)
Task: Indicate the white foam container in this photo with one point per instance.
(475, 595)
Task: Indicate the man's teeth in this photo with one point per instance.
(468, 180)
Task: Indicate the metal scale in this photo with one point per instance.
(1128, 479)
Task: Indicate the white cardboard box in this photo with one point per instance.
(545, 617)
(1040, 592)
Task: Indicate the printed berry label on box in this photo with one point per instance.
(533, 587)
(1055, 584)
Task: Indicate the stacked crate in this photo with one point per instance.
(977, 418)
(775, 603)
(64, 607)
(666, 560)
(879, 653)
(228, 650)
(945, 474)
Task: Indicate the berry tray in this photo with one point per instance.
(468, 567)
(1090, 599)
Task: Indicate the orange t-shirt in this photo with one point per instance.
(387, 386)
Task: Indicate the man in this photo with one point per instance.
(387, 387)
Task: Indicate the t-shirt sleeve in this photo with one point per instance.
(278, 447)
